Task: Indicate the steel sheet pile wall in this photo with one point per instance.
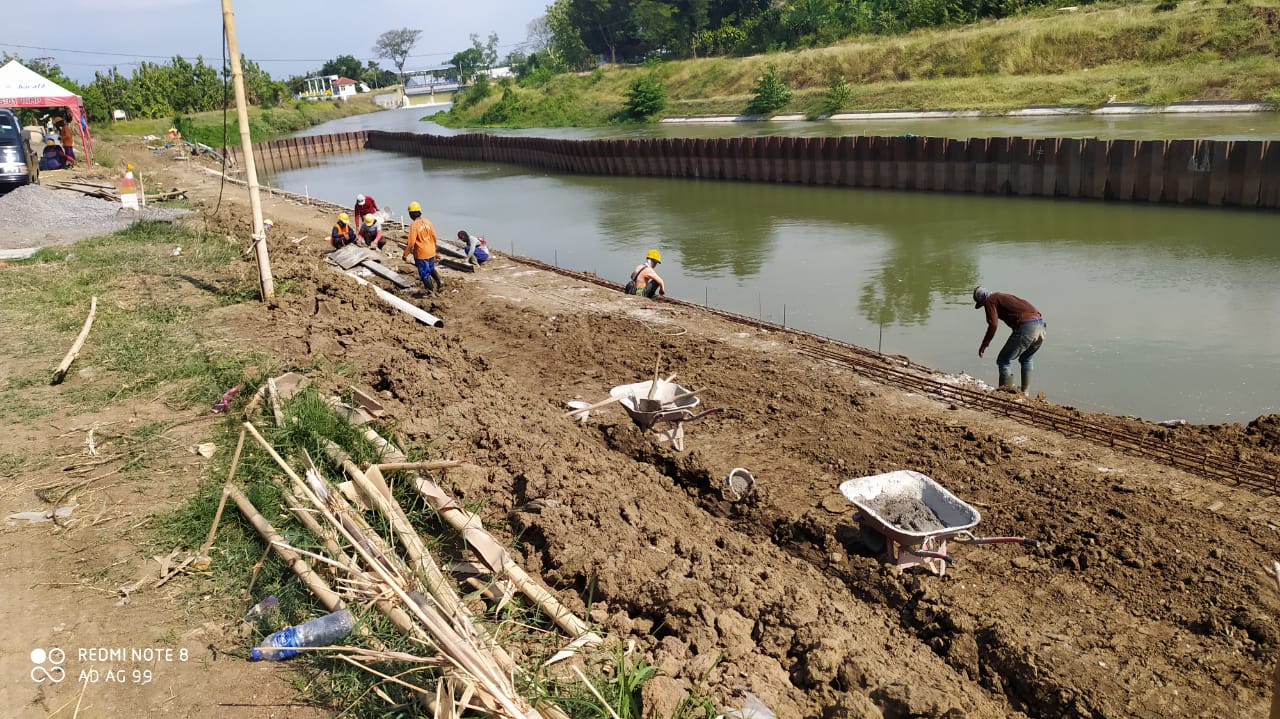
(296, 152)
(1192, 172)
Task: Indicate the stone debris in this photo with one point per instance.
(36, 216)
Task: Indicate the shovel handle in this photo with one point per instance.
(590, 407)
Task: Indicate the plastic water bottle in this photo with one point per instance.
(319, 632)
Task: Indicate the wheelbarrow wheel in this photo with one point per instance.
(872, 538)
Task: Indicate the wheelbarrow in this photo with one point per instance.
(909, 518)
(656, 402)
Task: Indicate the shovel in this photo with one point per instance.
(649, 404)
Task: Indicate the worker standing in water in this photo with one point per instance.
(1028, 332)
(422, 246)
(645, 280)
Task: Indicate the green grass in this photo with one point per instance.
(141, 337)
(1214, 50)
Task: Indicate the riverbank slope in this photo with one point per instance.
(1088, 57)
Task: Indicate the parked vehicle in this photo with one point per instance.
(17, 165)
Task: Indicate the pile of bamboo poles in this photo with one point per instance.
(408, 587)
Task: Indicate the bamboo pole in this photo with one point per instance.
(417, 466)
(455, 647)
(265, 282)
(420, 560)
(61, 372)
(318, 587)
(497, 558)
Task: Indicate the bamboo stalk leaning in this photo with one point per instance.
(61, 372)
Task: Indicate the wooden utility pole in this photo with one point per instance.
(265, 283)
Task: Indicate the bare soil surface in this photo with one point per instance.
(1148, 596)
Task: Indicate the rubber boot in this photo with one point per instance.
(1026, 379)
(1006, 378)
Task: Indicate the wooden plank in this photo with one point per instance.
(388, 274)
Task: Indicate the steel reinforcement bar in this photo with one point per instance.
(900, 372)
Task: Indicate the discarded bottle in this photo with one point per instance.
(319, 632)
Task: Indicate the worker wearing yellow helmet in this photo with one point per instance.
(644, 279)
(370, 232)
(422, 247)
(343, 233)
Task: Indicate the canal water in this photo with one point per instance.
(1159, 312)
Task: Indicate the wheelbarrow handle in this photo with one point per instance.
(1000, 540)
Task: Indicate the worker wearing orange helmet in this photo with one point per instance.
(644, 279)
(422, 247)
(343, 233)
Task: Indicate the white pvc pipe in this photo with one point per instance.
(406, 307)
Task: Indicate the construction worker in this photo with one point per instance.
(476, 248)
(1028, 332)
(66, 138)
(422, 245)
(343, 233)
(370, 234)
(365, 205)
(644, 279)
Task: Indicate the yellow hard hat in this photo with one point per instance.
(415, 207)
(344, 217)
(654, 255)
(369, 219)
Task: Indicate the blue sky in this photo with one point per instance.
(287, 37)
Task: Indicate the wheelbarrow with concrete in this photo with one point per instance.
(661, 406)
(908, 518)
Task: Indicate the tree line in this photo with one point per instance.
(153, 90)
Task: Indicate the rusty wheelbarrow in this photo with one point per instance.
(910, 518)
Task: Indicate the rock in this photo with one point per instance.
(836, 504)
(820, 662)
(852, 705)
(735, 632)
(660, 696)
(1024, 561)
(903, 701)
(962, 653)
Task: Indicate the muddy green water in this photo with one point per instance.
(1159, 312)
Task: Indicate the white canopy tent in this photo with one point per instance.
(21, 86)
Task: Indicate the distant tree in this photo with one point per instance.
(467, 63)
(646, 97)
(343, 66)
(769, 94)
(491, 50)
(567, 48)
(395, 45)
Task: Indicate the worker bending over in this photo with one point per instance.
(1028, 332)
(422, 246)
(644, 279)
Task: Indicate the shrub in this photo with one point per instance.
(646, 98)
(769, 94)
(1166, 5)
(839, 93)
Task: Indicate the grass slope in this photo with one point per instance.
(1214, 50)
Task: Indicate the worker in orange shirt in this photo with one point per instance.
(644, 278)
(422, 245)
